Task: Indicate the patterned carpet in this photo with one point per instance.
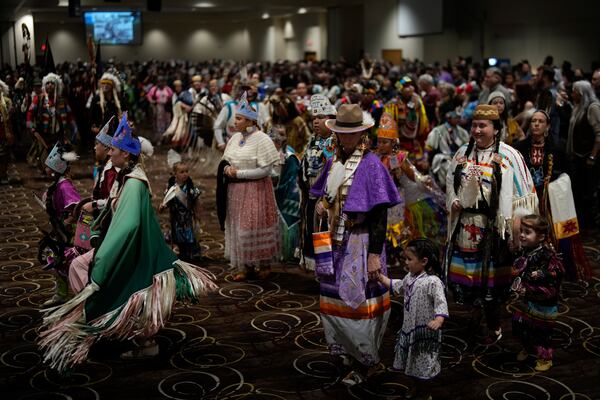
(261, 339)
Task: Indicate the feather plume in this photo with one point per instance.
(69, 156)
(147, 148)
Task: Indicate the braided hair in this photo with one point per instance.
(57, 222)
(50, 194)
(460, 166)
(133, 160)
(497, 171)
(490, 245)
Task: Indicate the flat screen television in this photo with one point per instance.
(114, 27)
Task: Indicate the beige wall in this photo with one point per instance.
(186, 41)
(185, 37)
(303, 33)
(513, 29)
(381, 31)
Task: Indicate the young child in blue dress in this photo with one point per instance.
(182, 198)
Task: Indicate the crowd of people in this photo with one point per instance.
(475, 179)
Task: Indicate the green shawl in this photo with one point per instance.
(136, 279)
(132, 252)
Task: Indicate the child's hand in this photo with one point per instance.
(436, 323)
(387, 282)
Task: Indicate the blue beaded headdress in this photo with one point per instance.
(124, 140)
(245, 109)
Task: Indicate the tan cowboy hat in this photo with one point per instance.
(349, 119)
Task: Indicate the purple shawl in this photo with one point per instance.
(372, 185)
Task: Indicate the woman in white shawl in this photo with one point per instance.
(488, 184)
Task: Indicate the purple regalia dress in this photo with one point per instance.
(353, 309)
(64, 197)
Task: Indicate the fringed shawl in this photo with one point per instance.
(135, 281)
(516, 194)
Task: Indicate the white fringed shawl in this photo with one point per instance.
(517, 194)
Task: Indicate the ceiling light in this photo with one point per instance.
(63, 3)
(204, 4)
(266, 16)
(302, 10)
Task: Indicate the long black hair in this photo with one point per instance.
(50, 194)
(56, 221)
(497, 173)
(133, 160)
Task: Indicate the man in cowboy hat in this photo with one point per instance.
(356, 190)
